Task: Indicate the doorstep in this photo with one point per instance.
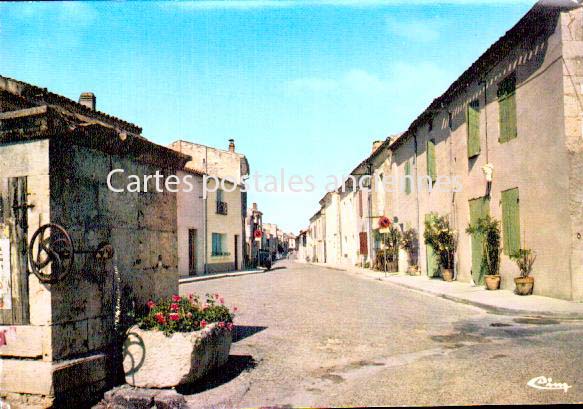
(500, 301)
(214, 276)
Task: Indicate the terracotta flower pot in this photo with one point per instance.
(524, 285)
(447, 274)
(492, 282)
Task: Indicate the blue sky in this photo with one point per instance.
(305, 86)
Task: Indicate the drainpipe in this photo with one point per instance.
(369, 201)
(417, 202)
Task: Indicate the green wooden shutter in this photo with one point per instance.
(479, 208)
(507, 108)
(473, 129)
(511, 221)
(216, 243)
(407, 177)
(431, 165)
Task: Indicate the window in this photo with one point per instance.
(407, 177)
(473, 120)
(219, 244)
(431, 165)
(221, 204)
(511, 221)
(507, 108)
(430, 126)
(450, 120)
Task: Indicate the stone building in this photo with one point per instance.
(518, 110)
(191, 221)
(253, 224)
(317, 237)
(226, 203)
(55, 158)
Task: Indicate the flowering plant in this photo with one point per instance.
(384, 222)
(187, 314)
(440, 235)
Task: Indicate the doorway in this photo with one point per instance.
(192, 252)
(236, 251)
(479, 207)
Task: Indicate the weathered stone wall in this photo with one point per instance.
(572, 47)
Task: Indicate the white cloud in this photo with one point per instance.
(312, 84)
(421, 30)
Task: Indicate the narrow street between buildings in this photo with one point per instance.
(314, 336)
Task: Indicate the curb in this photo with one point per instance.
(187, 280)
(492, 308)
(487, 307)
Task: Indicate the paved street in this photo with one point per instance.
(314, 336)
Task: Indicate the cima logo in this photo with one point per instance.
(544, 383)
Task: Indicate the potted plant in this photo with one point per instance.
(387, 259)
(488, 229)
(443, 239)
(410, 244)
(524, 259)
(177, 341)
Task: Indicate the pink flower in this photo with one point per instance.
(151, 304)
(222, 300)
(159, 317)
(174, 316)
(221, 324)
(190, 296)
(174, 307)
(230, 326)
(205, 306)
(189, 315)
(176, 298)
(203, 323)
(217, 296)
(235, 309)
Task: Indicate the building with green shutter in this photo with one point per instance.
(518, 108)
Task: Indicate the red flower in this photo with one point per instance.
(230, 326)
(174, 307)
(384, 222)
(221, 324)
(159, 317)
(151, 304)
(176, 298)
(203, 323)
(174, 316)
(235, 309)
(222, 300)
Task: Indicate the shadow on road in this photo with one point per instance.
(245, 331)
(235, 366)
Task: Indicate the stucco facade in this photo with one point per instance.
(191, 229)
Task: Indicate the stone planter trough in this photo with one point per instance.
(154, 360)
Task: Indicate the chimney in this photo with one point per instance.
(88, 99)
(231, 145)
(375, 145)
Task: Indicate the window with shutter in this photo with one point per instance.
(473, 129)
(511, 221)
(431, 165)
(507, 108)
(407, 177)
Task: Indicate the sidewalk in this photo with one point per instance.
(500, 302)
(214, 276)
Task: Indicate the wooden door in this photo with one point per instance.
(236, 251)
(479, 208)
(14, 307)
(192, 251)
